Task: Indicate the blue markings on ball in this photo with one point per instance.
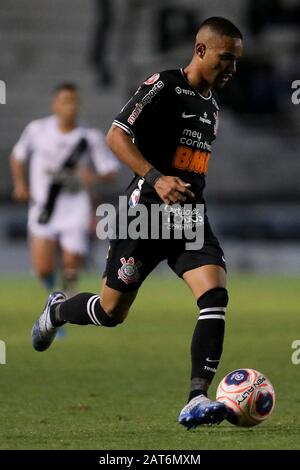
(264, 403)
(237, 377)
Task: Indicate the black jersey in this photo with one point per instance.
(173, 126)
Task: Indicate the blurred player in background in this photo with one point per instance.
(165, 135)
(65, 159)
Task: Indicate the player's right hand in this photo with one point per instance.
(172, 189)
(21, 193)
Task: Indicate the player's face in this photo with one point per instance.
(220, 60)
(66, 105)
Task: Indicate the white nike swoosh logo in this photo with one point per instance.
(188, 115)
(212, 360)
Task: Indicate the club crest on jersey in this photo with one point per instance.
(152, 79)
(129, 271)
(134, 198)
(204, 119)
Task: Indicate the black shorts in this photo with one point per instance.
(130, 261)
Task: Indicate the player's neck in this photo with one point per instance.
(66, 127)
(196, 81)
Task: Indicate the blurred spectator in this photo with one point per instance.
(175, 25)
(101, 35)
(272, 12)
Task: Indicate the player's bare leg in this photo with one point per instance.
(115, 303)
(202, 279)
(43, 260)
(71, 266)
(208, 284)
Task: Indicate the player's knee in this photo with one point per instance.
(111, 322)
(116, 310)
(216, 297)
(117, 315)
(105, 317)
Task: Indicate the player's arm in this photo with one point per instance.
(18, 163)
(122, 146)
(20, 186)
(169, 188)
(139, 110)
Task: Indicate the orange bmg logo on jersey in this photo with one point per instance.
(192, 160)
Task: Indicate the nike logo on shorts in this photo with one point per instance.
(212, 360)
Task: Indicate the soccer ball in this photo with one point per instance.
(248, 395)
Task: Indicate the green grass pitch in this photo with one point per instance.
(123, 388)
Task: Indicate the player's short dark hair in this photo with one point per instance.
(65, 86)
(222, 26)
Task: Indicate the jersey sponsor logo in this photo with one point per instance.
(192, 160)
(193, 138)
(215, 104)
(135, 113)
(186, 116)
(183, 217)
(152, 79)
(216, 126)
(180, 91)
(129, 271)
(145, 100)
(204, 119)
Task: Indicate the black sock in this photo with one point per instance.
(196, 393)
(82, 309)
(207, 341)
(55, 316)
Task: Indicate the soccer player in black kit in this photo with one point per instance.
(165, 134)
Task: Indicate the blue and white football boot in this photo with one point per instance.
(202, 410)
(43, 332)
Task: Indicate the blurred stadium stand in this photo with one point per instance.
(253, 186)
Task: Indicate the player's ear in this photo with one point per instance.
(200, 50)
